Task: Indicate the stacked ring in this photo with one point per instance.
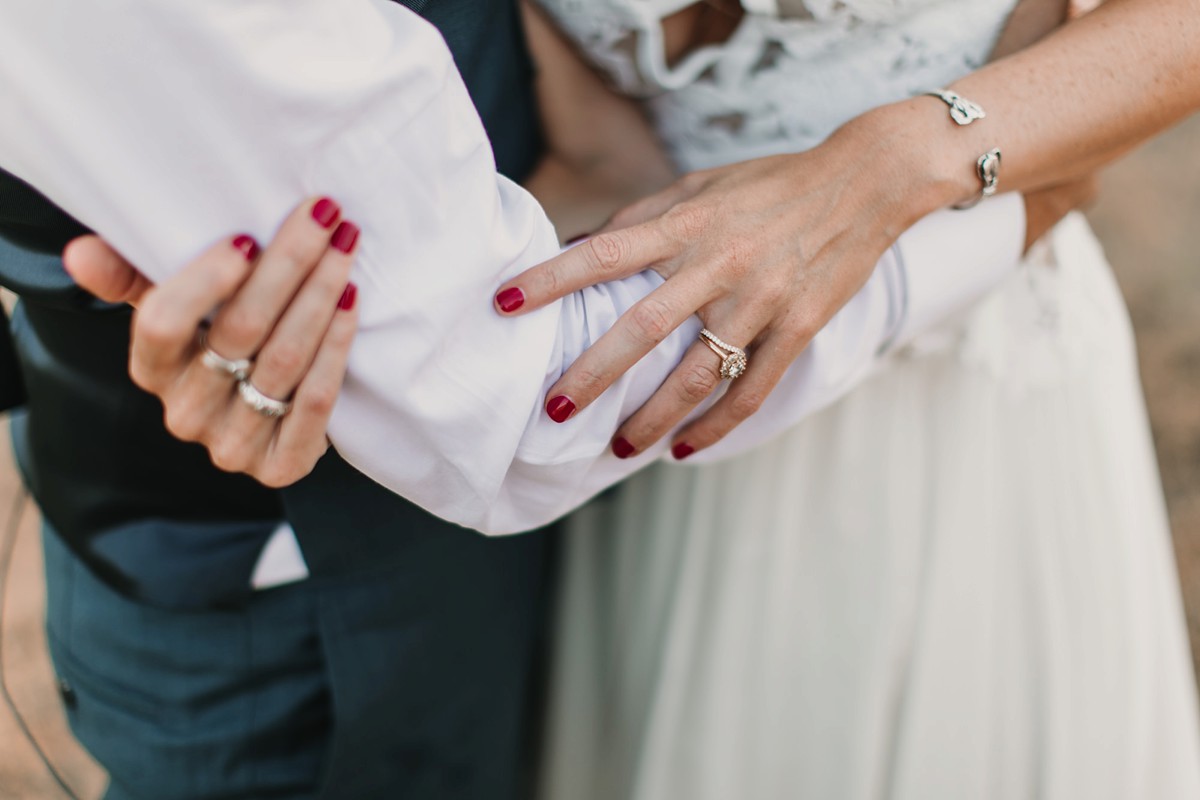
(238, 369)
(267, 406)
(734, 360)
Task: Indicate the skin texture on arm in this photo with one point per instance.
(1058, 110)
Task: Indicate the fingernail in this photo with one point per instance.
(560, 408)
(682, 450)
(349, 295)
(510, 300)
(576, 239)
(344, 237)
(245, 244)
(325, 212)
(622, 448)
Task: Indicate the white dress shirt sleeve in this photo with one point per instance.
(165, 126)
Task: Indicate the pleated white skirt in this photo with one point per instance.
(956, 584)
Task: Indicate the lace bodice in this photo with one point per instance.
(792, 71)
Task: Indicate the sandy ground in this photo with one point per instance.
(1149, 219)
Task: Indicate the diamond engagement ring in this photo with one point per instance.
(733, 359)
(238, 369)
(267, 406)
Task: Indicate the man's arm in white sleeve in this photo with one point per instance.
(164, 126)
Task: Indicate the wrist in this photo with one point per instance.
(925, 167)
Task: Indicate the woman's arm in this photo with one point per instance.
(812, 225)
(1058, 110)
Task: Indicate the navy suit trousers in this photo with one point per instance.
(404, 683)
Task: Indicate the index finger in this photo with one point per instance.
(638, 331)
(605, 257)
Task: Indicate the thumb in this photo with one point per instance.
(103, 271)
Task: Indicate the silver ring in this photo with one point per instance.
(734, 360)
(267, 406)
(238, 369)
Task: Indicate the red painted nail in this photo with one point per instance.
(576, 239)
(510, 300)
(245, 244)
(326, 212)
(349, 295)
(344, 237)
(622, 448)
(560, 408)
(682, 450)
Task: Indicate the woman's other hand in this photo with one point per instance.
(288, 310)
(1045, 208)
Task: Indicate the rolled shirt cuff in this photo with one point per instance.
(951, 259)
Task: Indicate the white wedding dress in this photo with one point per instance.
(955, 584)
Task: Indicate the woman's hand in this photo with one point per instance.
(765, 252)
(288, 310)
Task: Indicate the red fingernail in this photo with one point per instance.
(560, 408)
(682, 450)
(344, 237)
(326, 212)
(510, 300)
(576, 239)
(349, 295)
(622, 448)
(245, 244)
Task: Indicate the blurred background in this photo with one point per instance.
(1149, 220)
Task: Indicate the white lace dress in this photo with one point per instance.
(957, 583)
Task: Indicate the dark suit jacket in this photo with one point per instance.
(92, 446)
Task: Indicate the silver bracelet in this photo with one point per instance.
(987, 167)
(962, 110)
(988, 170)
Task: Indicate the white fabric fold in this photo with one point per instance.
(166, 126)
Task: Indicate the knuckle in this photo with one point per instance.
(283, 359)
(651, 320)
(182, 423)
(697, 382)
(550, 282)
(609, 251)
(746, 403)
(690, 220)
(157, 328)
(143, 376)
(799, 329)
(277, 475)
(299, 254)
(229, 274)
(240, 326)
(228, 454)
(318, 402)
(588, 383)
